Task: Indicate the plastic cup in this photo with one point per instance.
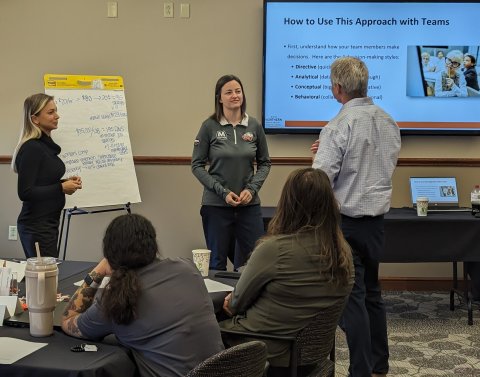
(41, 278)
(201, 258)
(422, 206)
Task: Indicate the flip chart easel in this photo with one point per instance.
(69, 212)
(93, 135)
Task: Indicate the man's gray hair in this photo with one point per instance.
(351, 74)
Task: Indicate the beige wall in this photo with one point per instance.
(170, 67)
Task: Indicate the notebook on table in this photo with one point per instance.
(441, 192)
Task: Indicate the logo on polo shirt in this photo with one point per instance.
(247, 136)
(221, 135)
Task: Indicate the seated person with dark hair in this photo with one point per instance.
(302, 265)
(157, 307)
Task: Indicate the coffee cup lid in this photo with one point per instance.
(41, 261)
(422, 199)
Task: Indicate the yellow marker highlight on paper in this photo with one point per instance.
(57, 81)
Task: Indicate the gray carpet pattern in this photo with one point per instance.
(426, 338)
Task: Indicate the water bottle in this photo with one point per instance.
(475, 199)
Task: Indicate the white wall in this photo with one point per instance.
(170, 67)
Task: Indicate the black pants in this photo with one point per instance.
(473, 270)
(44, 232)
(364, 319)
(231, 232)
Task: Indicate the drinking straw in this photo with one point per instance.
(37, 248)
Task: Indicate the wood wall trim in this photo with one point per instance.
(418, 284)
(299, 161)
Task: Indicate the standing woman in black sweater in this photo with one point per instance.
(40, 185)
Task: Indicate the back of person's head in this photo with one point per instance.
(307, 201)
(31, 106)
(351, 74)
(218, 94)
(307, 204)
(129, 244)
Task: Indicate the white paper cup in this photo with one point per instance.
(201, 258)
(422, 206)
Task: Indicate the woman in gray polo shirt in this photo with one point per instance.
(231, 142)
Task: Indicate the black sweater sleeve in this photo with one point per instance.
(39, 173)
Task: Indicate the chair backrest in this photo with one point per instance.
(244, 360)
(316, 340)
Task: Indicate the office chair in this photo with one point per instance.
(244, 360)
(313, 345)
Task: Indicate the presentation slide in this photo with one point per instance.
(437, 190)
(414, 52)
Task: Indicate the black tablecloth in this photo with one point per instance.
(438, 237)
(57, 360)
(69, 272)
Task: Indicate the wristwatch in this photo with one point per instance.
(90, 282)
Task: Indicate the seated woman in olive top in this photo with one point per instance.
(301, 266)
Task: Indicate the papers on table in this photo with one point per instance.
(11, 304)
(215, 286)
(14, 349)
(5, 278)
(212, 285)
(19, 268)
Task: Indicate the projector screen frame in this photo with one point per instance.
(267, 118)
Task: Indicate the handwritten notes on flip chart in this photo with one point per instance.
(93, 135)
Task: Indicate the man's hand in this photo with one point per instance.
(314, 147)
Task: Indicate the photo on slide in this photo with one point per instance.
(445, 71)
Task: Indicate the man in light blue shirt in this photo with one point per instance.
(358, 149)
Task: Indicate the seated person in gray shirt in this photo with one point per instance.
(157, 307)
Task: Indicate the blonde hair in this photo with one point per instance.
(32, 106)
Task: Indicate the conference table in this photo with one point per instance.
(438, 237)
(56, 359)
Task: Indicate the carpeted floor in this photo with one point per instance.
(426, 338)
